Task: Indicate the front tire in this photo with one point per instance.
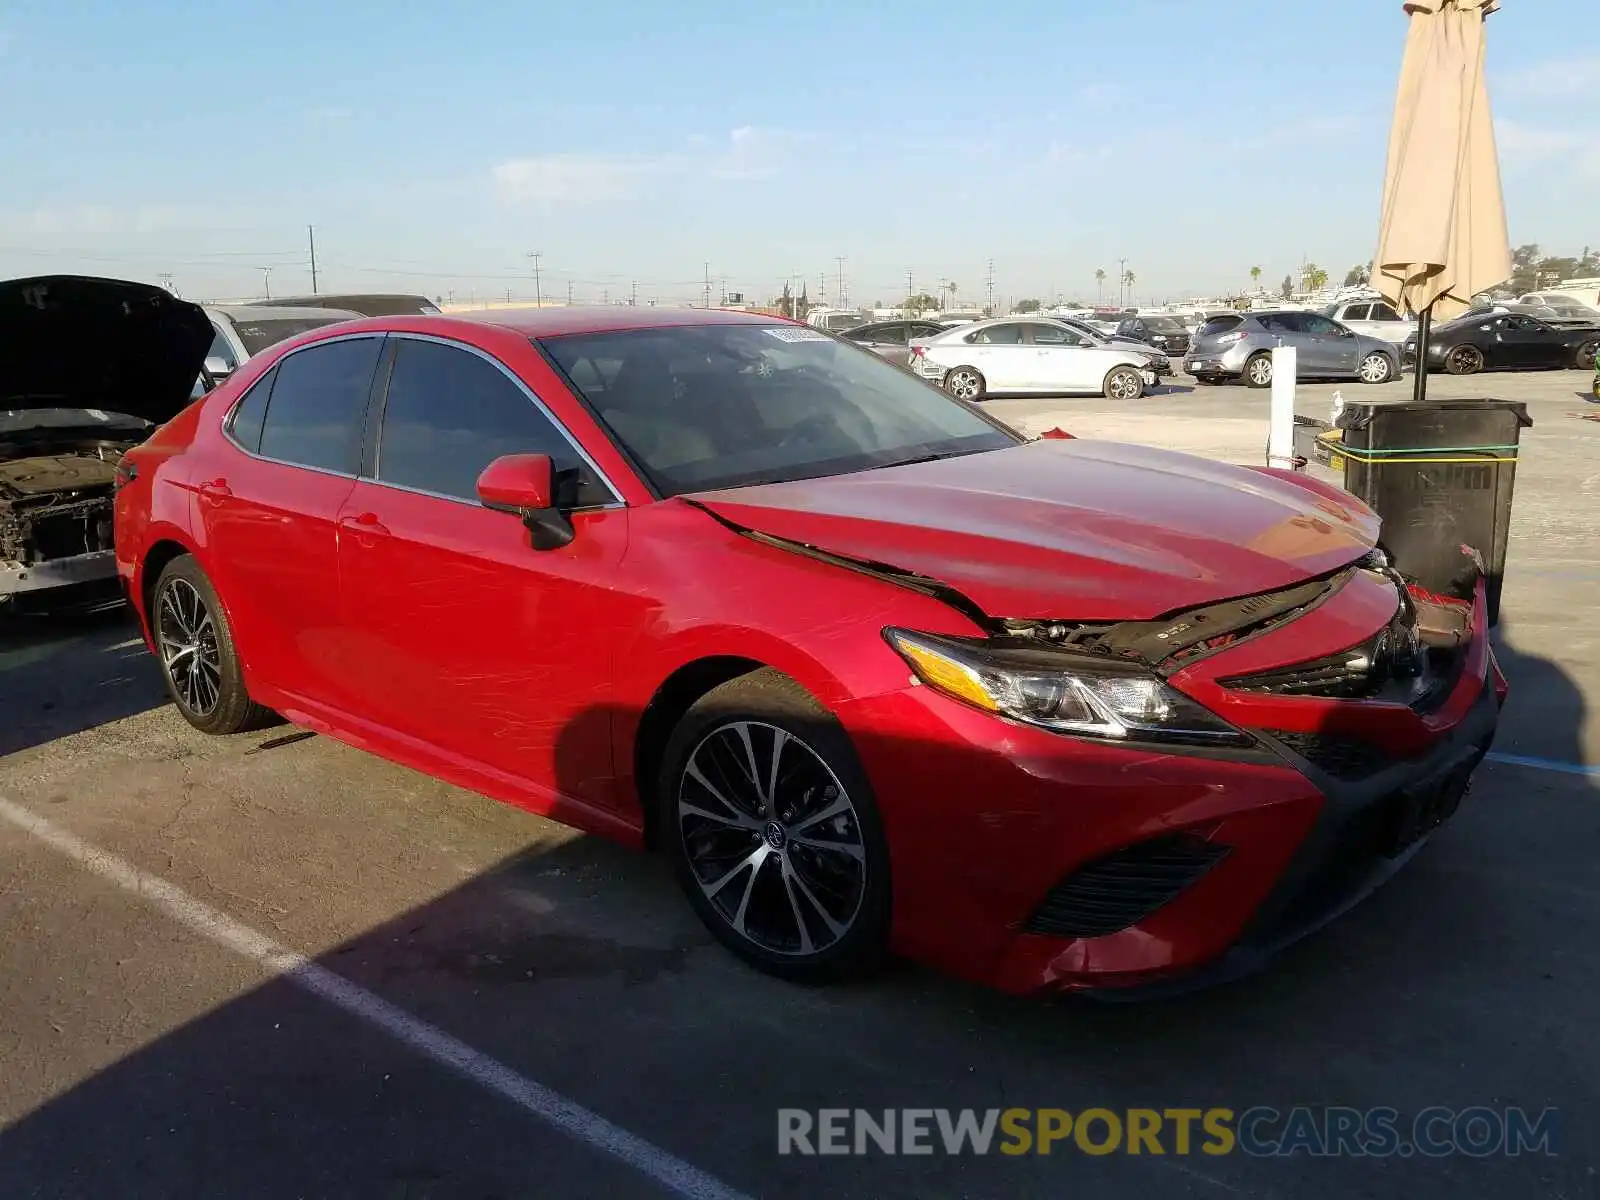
(773, 832)
(1123, 383)
(199, 662)
(1583, 360)
(1464, 360)
(1258, 371)
(965, 383)
(1376, 368)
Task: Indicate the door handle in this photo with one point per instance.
(366, 522)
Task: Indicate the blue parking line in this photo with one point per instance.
(1545, 764)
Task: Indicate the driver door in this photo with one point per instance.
(1336, 345)
(458, 637)
(1067, 360)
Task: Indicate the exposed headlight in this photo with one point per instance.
(1050, 690)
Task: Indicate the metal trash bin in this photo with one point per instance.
(1440, 474)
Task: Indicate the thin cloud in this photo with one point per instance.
(569, 177)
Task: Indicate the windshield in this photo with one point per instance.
(257, 335)
(1164, 324)
(703, 407)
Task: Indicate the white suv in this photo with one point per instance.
(1375, 318)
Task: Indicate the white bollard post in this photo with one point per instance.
(1280, 430)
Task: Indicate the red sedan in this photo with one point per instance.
(875, 671)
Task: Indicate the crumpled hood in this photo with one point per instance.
(1070, 530)
(73, 341)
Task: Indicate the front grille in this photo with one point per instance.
(1120, 890)
(1346, 758)
(1352, 674)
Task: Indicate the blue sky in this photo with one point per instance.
(434, 145)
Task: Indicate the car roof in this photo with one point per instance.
(575, 319)
(273, 312)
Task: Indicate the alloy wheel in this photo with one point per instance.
(772, 838)
(1261, 371)
(1125, 385)
(963, 384)
(1466, 360)
(1586, 356)
(186, 635)
(1375, 369)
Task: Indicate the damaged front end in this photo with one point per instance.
(56, 512)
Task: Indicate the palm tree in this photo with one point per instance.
(951, 285)
(1255, 277)
(1100, 281)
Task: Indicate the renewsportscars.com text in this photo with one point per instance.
(1259, 1131)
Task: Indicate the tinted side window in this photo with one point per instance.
(318, 403)
(1216, 325)
(1357, 312)
(245, 423)
(1320, 326)
(450, 413)
(1382, 312)
(888, 335)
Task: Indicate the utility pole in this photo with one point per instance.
(569, 293)
(706, 295)
(538, 291)
(822, 288)
(311, 236)
(633, 299)
(844, 296)
(990, 282)
(908, 287)
(266, 281)
(1122, 283)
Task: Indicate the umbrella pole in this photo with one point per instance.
(1419, 385)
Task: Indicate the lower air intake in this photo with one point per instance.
(1120, 890)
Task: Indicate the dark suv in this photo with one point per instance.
(1167, 334)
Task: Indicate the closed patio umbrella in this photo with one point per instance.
(1442, 238)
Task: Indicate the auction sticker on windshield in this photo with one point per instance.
(798, 335)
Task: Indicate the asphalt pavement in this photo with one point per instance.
(274, 966)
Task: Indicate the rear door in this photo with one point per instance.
(1001, 353)
(268, 511)
(458, 634)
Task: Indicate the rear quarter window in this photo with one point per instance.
(1218, 325)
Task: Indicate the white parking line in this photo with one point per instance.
(533, 1098)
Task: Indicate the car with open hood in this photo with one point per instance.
(88, 367)
(874, 671)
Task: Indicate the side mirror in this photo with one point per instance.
(218, 368)
(526, 485)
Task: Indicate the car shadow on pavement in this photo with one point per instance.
(1467, 980)
(66, 671)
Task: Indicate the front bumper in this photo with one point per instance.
(987, 820)
(16, 578)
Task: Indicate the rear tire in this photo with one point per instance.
(965, 383)
(1258, 371)
(1463, 360)
(1376, 368)
(195, 647)
(771, 827)
(1123, 383)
